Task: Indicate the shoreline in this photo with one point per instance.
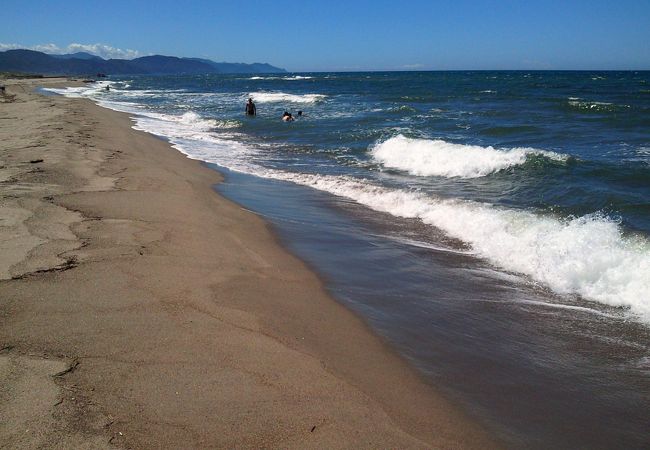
(172, 315)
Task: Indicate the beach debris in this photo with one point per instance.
(70, 368)
(312, 429)
(35, 161)
(69, 263)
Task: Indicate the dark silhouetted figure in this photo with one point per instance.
(250, 108)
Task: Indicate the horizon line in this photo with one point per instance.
(361, 70)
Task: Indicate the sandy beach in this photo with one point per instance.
(139, 309)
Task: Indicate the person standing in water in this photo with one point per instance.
(250, 108)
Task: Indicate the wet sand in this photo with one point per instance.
(139, 309)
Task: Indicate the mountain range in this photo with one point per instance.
(81, 63)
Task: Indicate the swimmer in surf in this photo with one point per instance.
(250, 108)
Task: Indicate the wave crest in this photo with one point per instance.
(424, 157)
(272, 97)
(576, 103)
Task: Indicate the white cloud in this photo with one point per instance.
(103, 50)
(47, 48)
(5, 47)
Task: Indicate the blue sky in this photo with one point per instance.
(304, 35)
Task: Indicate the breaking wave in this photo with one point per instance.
(271, 97)
(576, 103)
(424, 157)
(295, 77)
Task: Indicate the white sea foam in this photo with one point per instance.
(193, 135)
(227, 124)
(271, 97)
(424, 157)
(73, 92)
(588, 255)
(195, 121)
(144, 93)
(87, 91)
(296, 77)
(587, 105)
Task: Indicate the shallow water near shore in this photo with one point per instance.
(543, 174)
(492, 226)
(537, 373)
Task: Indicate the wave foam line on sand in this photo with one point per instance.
(588, 255)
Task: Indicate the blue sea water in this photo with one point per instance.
(494, 226)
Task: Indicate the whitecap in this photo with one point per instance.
(425, 157)
(586, 105)
(272, 97)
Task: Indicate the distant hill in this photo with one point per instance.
(79, 55)
(81, 63)
(224, 67)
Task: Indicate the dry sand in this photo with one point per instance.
(139, 309)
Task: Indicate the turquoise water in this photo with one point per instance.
(494, 226)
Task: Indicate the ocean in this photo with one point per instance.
(494, 227)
